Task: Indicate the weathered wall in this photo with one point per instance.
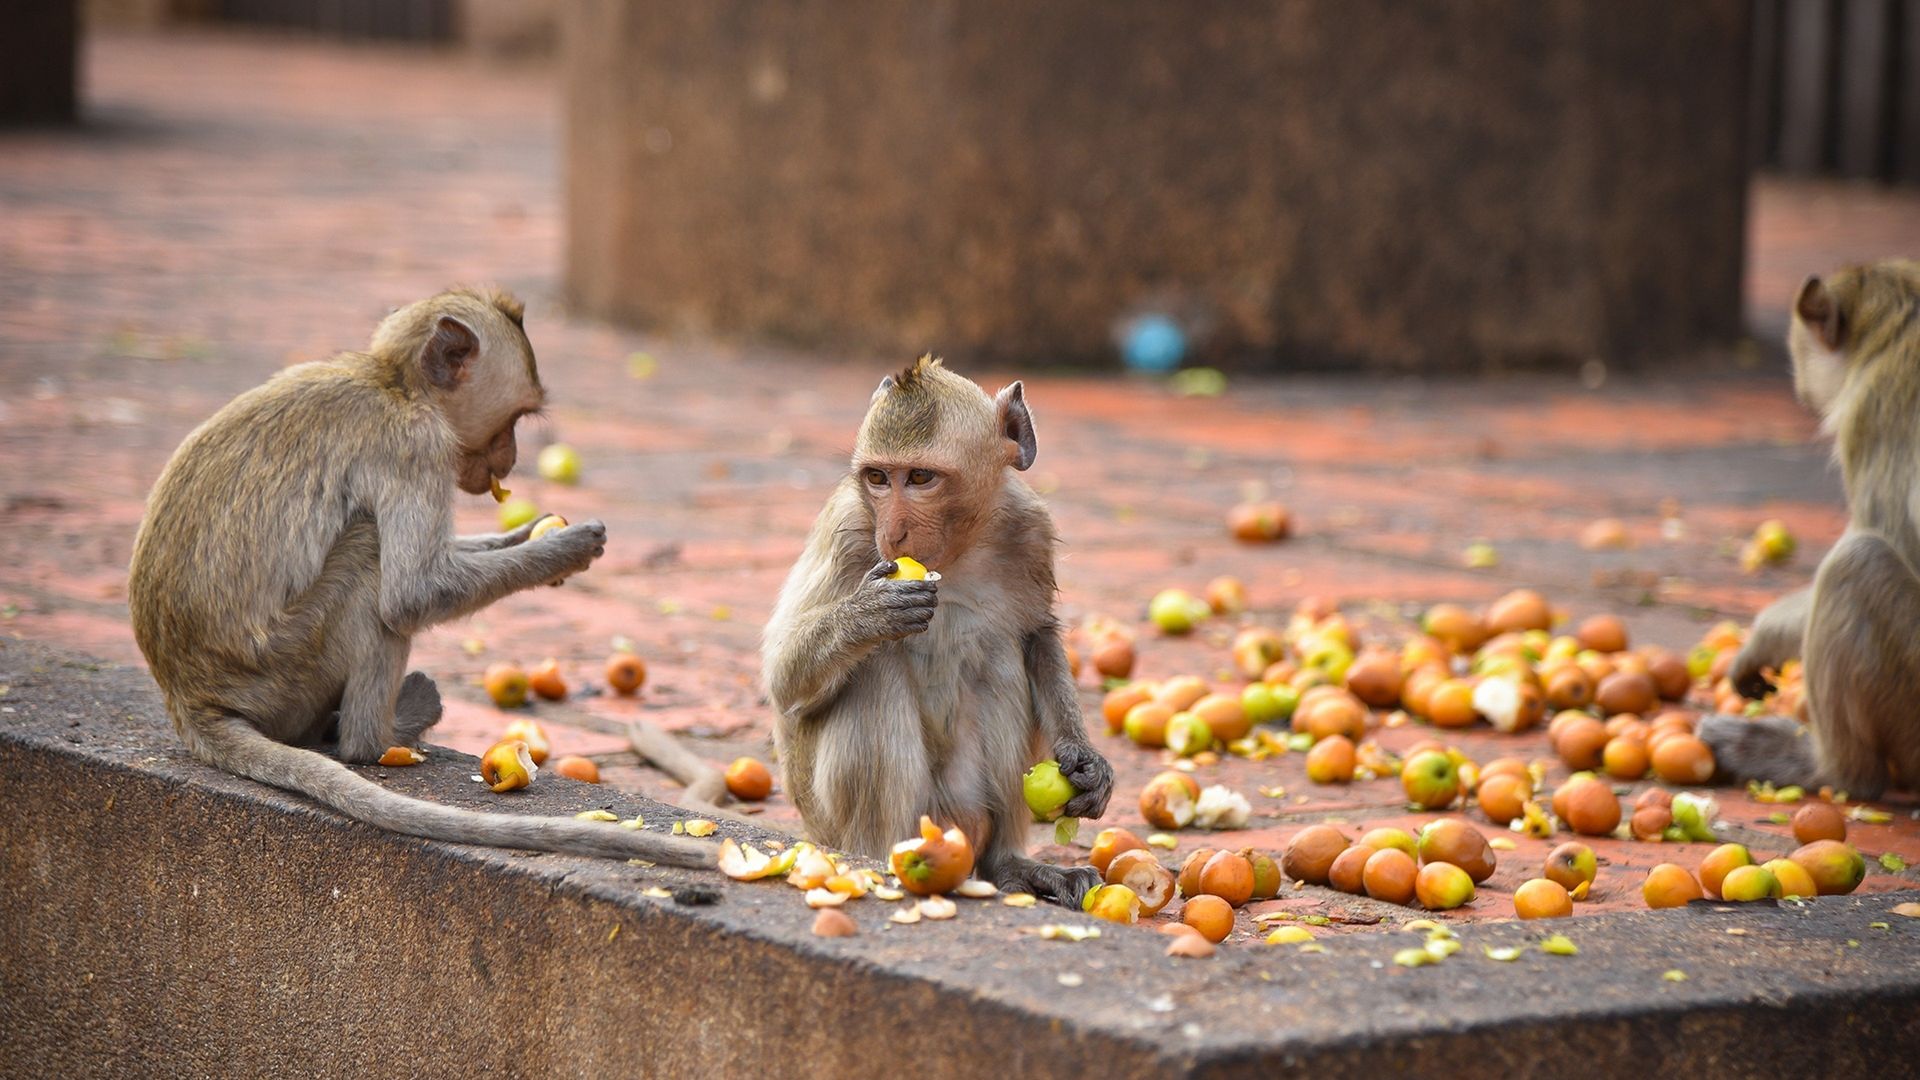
(1411, 185)
(40, 62)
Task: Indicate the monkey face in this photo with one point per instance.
(916, 511)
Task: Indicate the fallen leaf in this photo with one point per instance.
(1892, 862)
(1501, 843)
(1288, 935)
(1674, 975)
(1018, 899)
(1414, 958)
(1560, 945)
(1910, 909)
(1869, 815)
(1162, 840)
(1065, 830)
(1879, 926)
(597, 815)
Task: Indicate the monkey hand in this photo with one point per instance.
(886, 610)
(1090, 775)
(573, 547)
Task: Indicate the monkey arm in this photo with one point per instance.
(495, 541)
(828, 621)
(1057, 707)
(1775, 639)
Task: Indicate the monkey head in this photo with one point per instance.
(1843, 323)
(931, 456)
(467, 352)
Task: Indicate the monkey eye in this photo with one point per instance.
(877, 477)
(920, 477)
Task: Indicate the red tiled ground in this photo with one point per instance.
(239, 204)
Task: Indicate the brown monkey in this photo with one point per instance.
(901, 698)
(1855, 343)
(299, 539)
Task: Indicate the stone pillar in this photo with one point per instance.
(1421, 186)
(40, 63)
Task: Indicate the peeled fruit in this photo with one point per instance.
(1683, 759)
(1521, 609)
(748, 779)
(1745, 884)
(1346, 873)
(547, 681)
(1836, 869)
(1430, 779)
(1389, 875)
(1114, 903)
(575, 767)
(1166, 802)
(1111, 843)
(1626, 691)
(1175, 611)
(1388, 837)
(1226, 595)
(1719, 863)
(1588, 806)
(507, 685)
(559, 463)
(546, 525)
(1331, 760)
(1150, 882)
(1146, 724)
(1451, 840)
(507, 766)
(1226, 717)
(1571, 865)
(1227, 876)
(1542, 899)
(1819, 821)
(1210, 915)
(400, 756)
(1503, 797)
(1793, 878)
(1046, 790)
(934, 862)
(1258, 522)
(626, 673)
(1118, 702)
(531, 733)
(1310, 854)
(1187, 734)
(1509, 704)
(1669, 885)
(1442, 886)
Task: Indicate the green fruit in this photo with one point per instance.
(516, 512)
(559, 463)
(1175, 611)
(1260, 703)
(1431, 779)
(1188, 734)
(1836, 868)
(1332, 657)
(1047, 791)
(1288, 698)
(1744, 884)
(1693, 815)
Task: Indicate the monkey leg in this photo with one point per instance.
(1777, 636)
(377, 660)
(1863, 665)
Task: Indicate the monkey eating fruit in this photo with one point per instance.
(299, 539)
(896, 697)
(1855, 344)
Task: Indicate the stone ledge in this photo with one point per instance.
(164, 918)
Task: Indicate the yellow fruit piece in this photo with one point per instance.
(546, 525)
(1288, 935)
(597, 815)
(700, 827)
(402, 755)
(507, 766)
(906, 568)
(499, 493)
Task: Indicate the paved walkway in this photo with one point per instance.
(237, 204)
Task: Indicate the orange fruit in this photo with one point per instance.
(1581, 743)
(1603, 633)
(1257, 523)
(1819, 821)
(1683, 759)
(506, 684)
(1114, 707)
(1568, 687)
(1224, 715)
(1590, 805)
(1180, 692)
(1346, 873)
(547, 681)
(1389, 875)
(1510, 765)
(1668, 885)
(1442, 886)
(1519, 610)
(1331, 760)
(1626, 691)
(1140, 871)
(1210, 915)
(1310, 854)
(1110, 843)
(575, 767)
(1503, 797)
(1719, 863)
(626, 673)
(1625, 758)
(1227, 876)
(748, 779)
(1455, 627)
(1450, 704)
(1375, 679)
(1671, 679)
(1113, 657)
(1542, 899)
(1189, 879)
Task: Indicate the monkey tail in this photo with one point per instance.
(236, 746)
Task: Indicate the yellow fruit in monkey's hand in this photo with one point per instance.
(906, 568)
(546, 525)
(517, 512)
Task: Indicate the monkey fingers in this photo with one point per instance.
(1065, 886)
(1090, 775)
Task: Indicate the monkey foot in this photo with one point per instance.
(1771, 748)
(1062, 885)
(416, 708)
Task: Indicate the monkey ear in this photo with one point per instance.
(886, 384)
(1817, 308)
(448, 354)
(1016, 423)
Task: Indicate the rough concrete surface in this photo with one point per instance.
(164, 918)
